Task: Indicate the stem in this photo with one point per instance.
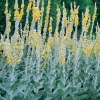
(51, 73)
(96, 76)
(38, 74)
(64, 80)
(11, 95)
(26, 68)
(12, 76)
(12, 79)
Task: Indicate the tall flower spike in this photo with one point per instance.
(71, 13)
(6, 9)
(21, 11)
(22, 5)
(46, 20)
(94, 15)
(86, 21)
(16, 5)
(93, 19)
(50, 27)
(76, 15)
(29, 6)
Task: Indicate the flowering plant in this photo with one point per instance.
(58, 67)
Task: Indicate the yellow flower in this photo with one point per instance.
(76, 20)
(76, 11)
(42, 10)
(43, 53)
(6, 11)
(8, 30)
(16, 6)
(74, 6)
(18, 61)
(63, 39)
(89, 50)
(2, 43)
(41, 23)
(51, 18)
(44, 66)
(29, 6)
(48, 48)
(9, 62)
(15, 46)
(6, 4)
(94, 16)
(63, 62)
(20, 14)
(36, 16)
(9, 24)
(35, 8)
(16, 14)
(31, 36)
(69, 29)
(50, 28)
(22, 5)
(19, 43)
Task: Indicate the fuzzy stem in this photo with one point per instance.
(12, 79)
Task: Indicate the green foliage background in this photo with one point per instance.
(83, 4)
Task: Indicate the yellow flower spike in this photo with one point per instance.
(94, 15)
(29, 6)
(86, 21)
